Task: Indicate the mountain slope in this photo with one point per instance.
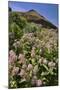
(34, 16)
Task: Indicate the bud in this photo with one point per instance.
(12, 56)
(51, 64)
(35, 70)
(33, 82)
(45, 61)
(21, 58)
(39, 83)
(15, 71)
(30, 67)
(33, 52)
(40, 61)
(24, 66)
(22, 72)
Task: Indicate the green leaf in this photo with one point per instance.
(45, 67)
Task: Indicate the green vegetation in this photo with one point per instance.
(33, 53)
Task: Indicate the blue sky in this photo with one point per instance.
(49, 11)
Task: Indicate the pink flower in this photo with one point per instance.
(12, 56)
(22, 72)
(15, 70)
(40, 61)
(38, 82)
(33, 82)
(51, 64)
(45, 61)
(33, 52)
(21, 58)
(30, 67)
(24, 66)
(16, 44)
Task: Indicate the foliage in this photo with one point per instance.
(33, 54)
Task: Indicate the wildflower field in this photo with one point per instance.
(33, 53)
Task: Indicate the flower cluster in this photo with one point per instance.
(33, 58)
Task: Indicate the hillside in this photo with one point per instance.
(34, 16)
(33, 50)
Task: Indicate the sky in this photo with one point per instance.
(49, 11)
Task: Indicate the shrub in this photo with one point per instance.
(33, 55)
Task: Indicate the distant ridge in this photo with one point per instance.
(32, 10)
(33, 16)
(35, 12)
